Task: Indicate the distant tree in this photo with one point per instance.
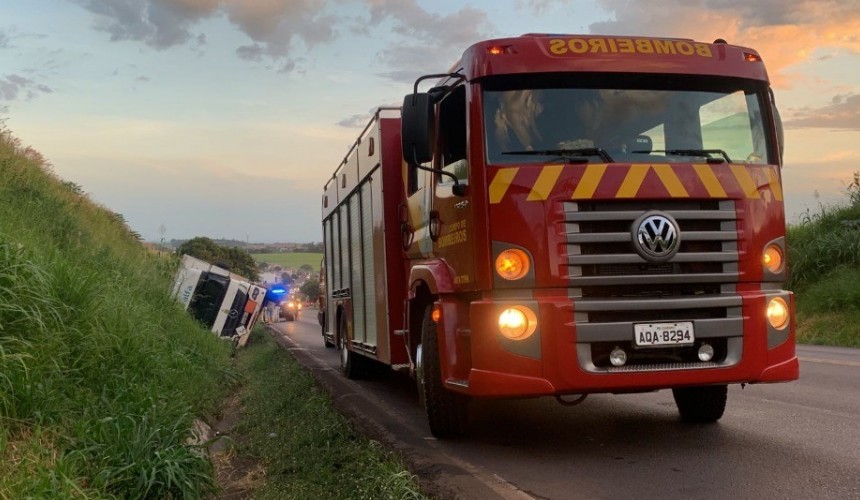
(307, 268)
(237, 260)
(314, 247)
(311, 289)
(203, 248)
(242, 263)
(286, 278)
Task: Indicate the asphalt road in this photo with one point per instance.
(795, 440)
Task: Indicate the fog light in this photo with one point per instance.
(517, 322)
(706, 352)
(777, 313)
(618, 357)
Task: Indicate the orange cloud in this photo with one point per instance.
(784, 32)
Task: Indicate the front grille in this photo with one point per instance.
(599, 250)
(614, 287)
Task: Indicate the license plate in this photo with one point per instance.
(663, 334)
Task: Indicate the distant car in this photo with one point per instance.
(290, 310)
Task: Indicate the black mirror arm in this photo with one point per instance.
(435, 75)
(458, 189)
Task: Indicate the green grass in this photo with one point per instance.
(308, 450)
(293, 260)
(101, 374)
(824, 265)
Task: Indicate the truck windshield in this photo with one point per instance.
(625, 118)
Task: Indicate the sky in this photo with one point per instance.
(224, 118)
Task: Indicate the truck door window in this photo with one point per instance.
(452, 135)
(733, 123)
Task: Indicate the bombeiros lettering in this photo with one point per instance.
(576, 45)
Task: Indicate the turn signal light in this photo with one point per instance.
(512, 264)
(517, 322)
(777, 313)
(773, 259)
(497, 50)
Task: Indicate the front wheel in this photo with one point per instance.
(447, 411)
(704, 404)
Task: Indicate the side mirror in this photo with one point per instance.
(780, 133)
(417, 128)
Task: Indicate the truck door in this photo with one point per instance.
(450, 219)
(416, 216)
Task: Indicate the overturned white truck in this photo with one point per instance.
(226, 303)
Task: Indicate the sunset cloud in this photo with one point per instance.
(842, 113)
(17, 87)
(432, 42)
(784, 32)
(273, 26)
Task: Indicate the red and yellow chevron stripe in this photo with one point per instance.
(583, 182)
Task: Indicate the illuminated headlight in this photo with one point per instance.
(291, 305)
(777, 313)
(512, 264)
(517, 322)
(772, 258)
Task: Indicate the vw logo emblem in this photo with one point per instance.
(656, 236)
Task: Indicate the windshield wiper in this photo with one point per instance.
(578, 155)
(693, 152)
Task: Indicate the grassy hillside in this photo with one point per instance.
(101, 375)
(292, 260)
(824, 265)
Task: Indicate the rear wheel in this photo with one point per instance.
(704, 404)
(447, 411)
(321, 320)
(350, 362)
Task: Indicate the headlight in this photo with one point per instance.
(512, 264)
(773, 259)
(777, 313)
(517, 322)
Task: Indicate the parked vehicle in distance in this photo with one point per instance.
(290, 309)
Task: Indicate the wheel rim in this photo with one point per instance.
(344, 352)
(419, 373)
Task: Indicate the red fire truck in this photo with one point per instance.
(562, 215)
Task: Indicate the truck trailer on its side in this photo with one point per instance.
(562, 215)
(226, 303)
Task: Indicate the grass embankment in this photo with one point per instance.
(293, 260)
(824, 264)
(101, 374)
(307, 449)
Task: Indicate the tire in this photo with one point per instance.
(701, 405)
(447, 411)
(350, 362)
(321, 320)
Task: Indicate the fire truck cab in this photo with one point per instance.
(565, 215)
